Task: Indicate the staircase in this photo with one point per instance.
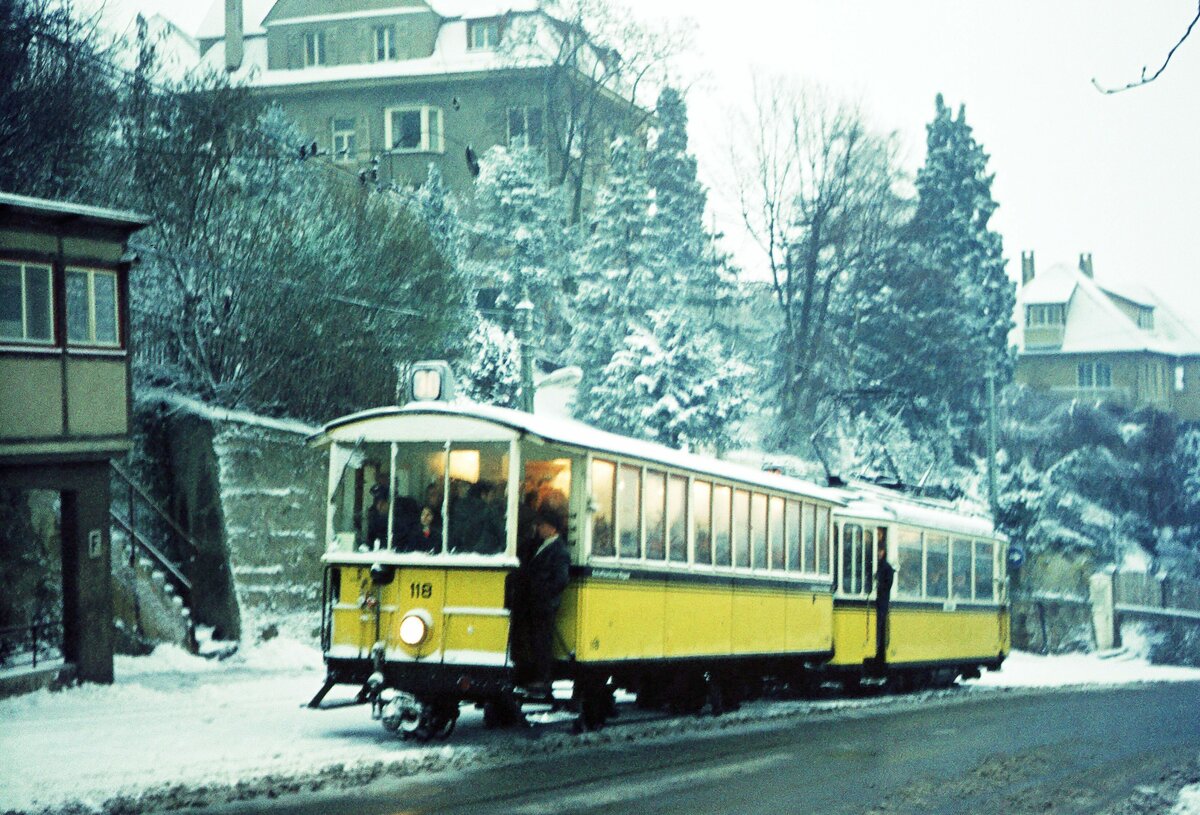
(152, 602)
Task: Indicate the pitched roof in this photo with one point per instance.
(253, 13)
(1094, 322)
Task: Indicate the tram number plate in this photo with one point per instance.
(421, 590)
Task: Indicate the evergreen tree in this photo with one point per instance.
(670, 384)
(691, 267)
(493, 366)
(941, 320)
(519, 238)
(439, 210)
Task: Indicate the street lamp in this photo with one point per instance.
(524, 311)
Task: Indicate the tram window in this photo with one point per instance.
(358, 506)
(758, 530)
(656, 515)
(851, 542)
(676, 519)
(910, 575)
(722, 549)
(960, 567)
(792, 535)
(867, 562)
(809, 537)
(984, 568)
(937, 564)
(629, 505)
(824, 566)
(775, 528)
(702, 522)
(547, 485)
(741, 528)
(604, 473)
(478, 504)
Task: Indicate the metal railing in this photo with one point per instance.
(127, 520)
(25, 645)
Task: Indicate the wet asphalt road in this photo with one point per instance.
(1063, 752)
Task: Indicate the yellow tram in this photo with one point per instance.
(948, 615)
(691, 577)
(687, 572)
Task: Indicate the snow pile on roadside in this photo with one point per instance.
(1022, 670)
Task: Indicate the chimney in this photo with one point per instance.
(1026, 267)
(1085, 263)
(233, 35)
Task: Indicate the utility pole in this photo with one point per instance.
(991, 448)
(525, 327)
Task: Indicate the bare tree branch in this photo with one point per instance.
(1146, 80)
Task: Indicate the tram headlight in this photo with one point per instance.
(414, 628)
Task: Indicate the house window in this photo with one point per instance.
(1179, 380)
(344, 131)
(1094, 375)
(483, 35)
(314, 48)
(1045, 315)
(415, 130)
(385, 43)
(92, 316)
(524, 127)
(26, 311)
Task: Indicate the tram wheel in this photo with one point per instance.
(437, 721)
(502, 712)
(595, 704)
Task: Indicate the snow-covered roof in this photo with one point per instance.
(1096, 324)
(384, 424)
(254, 59)
(869, 502)
(253, 13)
(481, 9)
(43, 206)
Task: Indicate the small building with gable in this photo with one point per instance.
(1082, 338)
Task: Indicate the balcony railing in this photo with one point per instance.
(25, 646)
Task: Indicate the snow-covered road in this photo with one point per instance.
(173, 720)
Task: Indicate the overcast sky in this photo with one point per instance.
(1076, 171)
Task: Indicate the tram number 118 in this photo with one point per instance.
(420, 590)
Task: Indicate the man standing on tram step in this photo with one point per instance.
(546, 576)
(884, 576)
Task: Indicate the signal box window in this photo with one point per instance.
(92, 316)
(26, 313)
(483, 35)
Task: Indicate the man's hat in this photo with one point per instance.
(379, 492)
(554, 517)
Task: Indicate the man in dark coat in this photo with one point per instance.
(377, 518)
(545, 576)
(885, 575)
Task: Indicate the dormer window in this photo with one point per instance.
(385, 43)
(1045, 315)
(314, 49)
(1145, 318)
(483, 35)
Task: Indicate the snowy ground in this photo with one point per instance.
(191, 730)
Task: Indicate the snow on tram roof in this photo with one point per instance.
(871, 502)
(577, 434)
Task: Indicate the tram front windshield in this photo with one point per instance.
(420, 497)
